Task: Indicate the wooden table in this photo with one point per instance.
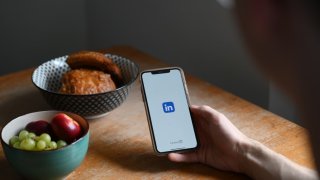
(120, 145)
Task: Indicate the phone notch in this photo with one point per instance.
(160, 71)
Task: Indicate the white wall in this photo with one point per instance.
(199, 36)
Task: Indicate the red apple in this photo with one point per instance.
(65, 128)
(39, 127)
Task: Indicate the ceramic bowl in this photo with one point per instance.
(47, 78)
(49, 164)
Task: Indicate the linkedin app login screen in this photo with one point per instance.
(169, 111)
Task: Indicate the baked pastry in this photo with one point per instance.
(96, 61)
(86, 81)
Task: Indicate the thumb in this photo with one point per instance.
(185, 157)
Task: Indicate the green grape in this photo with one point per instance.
(36, 138)
(41, 145)
(28, 144)
(61, 143)
(17, 145)
(13, 140)
(23, 134)
(52, 145)
(45, 137)
(31, 135)
(30, 141)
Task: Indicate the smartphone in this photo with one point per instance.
(166, 101)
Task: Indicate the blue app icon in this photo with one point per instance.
(168, 107)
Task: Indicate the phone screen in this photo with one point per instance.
(168, 110)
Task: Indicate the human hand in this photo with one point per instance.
(221, 143)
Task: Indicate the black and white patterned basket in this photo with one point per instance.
(47, 78)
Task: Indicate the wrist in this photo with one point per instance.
(246, 151)
(260, 162)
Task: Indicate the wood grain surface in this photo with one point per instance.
(120, 145)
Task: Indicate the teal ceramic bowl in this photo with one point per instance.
(50, 164)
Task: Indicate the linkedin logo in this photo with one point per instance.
(168, 107)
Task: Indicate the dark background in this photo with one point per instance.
(199, 36)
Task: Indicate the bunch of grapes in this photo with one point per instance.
(30, 141)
